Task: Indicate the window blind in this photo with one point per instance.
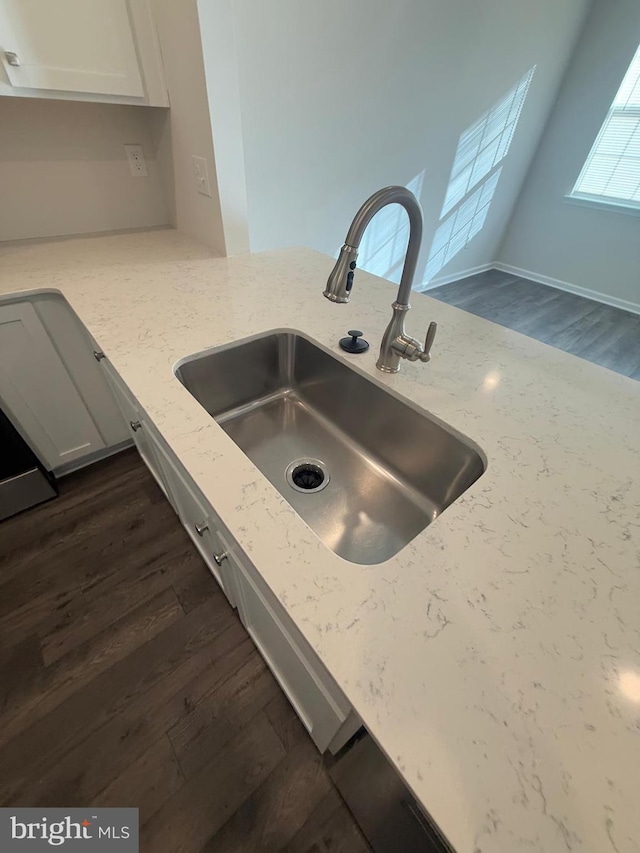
(612, 169)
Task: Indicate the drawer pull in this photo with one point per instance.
(219, 558)
(98, 355)
(200, 528)
(135, 425)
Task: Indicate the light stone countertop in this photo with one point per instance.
(496, 658)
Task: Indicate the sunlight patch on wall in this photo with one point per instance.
(461, 227)
(475, 173)
(486, 143)
(384, 244)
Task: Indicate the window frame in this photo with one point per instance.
(595, 202)
(600, 200)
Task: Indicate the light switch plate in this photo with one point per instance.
(135, 156)
(202, 175)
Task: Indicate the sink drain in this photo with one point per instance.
(307, 475)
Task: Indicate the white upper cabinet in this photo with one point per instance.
(71, 45)
(103, 50)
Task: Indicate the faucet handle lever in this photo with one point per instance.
(428, 343)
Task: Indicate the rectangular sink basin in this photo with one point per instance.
(364, 468)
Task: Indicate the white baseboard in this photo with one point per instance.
(595, 295)
(566, 285)
(447, 279)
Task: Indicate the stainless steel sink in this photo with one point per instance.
(364, 468)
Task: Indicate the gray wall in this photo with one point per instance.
(63, 169)
(584, 246)
(339, 99)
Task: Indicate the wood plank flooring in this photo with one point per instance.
(127, 679)
(599, 333)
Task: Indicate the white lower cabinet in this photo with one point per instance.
(141, 431)
(75, 349)
(62, 403)
(201, 524)
(316, 698)
(38, 392)
(51, 386)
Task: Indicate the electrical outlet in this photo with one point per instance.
(135, 156)
(202, 175)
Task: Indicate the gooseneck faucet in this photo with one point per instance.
(396, 343)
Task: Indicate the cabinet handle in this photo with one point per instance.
(98, 355)
(200, 528)
(12, 58)
(219, 558)
(135, 425)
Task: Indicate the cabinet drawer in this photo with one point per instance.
(308, 685)
(200, 523)
(194, 511)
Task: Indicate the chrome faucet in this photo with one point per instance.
(396, 344)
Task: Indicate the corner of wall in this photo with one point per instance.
(160, 130)
(220, 59)
(186, 131)
(574, 46)
(586, 249)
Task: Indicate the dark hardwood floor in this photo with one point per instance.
(602, 334)
(127, 679)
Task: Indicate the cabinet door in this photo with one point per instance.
(70, 46)
(309, 688)
(38, 392)
(140, 430)
(75, 348)
(147, 450)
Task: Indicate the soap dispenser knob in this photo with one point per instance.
(355, 343)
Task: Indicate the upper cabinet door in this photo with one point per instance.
(70, 46)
